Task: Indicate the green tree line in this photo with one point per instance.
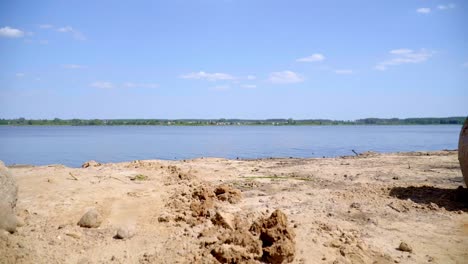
(230, 122)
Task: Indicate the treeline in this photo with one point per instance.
(229, 122)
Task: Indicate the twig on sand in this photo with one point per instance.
(74, 178)
(357, 154)
(117, 179)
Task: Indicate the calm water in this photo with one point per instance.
(74, 145)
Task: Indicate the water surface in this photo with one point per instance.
(74, 145)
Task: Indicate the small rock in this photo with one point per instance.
(164, 218)
(125, 232)
(91, 219)
(355, 205)
(335, 243)
(19, 221)
(433, 206)
(405, 247)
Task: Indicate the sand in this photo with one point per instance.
(371, 208)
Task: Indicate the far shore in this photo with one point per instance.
(457, 120)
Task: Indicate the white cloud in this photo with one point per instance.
(102, 85)
(251, 77)
(285, 77)
(20, 75)
(75, 33)
(9, 32)
(313, 58)
(46, 26)
(139, 85)
(344, 71)
(423, 10)
(208, 76)
(445, 7)
(73, 66)
(65, 29)
(220, 88)
(249, 86)
(400, 51)
(404, 56)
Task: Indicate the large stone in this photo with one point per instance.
(463, 151)
(91, 219)
(8, 198)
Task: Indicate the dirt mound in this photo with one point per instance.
(228, 237)
(91, 163)
(203, 200)
(231, 240)
(276, 236)
(176, 171)
(348, 245)
(226, 193)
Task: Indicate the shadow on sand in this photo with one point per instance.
(450, 199)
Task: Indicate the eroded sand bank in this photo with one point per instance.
(209, 210)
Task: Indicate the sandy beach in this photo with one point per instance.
(371, 208)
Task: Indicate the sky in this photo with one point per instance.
(250, 59)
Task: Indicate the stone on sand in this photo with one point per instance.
(405, 247)
(125, 232)
(91, 219)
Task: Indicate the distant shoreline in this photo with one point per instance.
(459, 120)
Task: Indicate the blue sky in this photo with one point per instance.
(233, 59)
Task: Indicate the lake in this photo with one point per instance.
(72, 146)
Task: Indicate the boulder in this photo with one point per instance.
(463, 151)
(8, 198)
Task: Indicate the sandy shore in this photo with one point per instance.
(339, 210)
